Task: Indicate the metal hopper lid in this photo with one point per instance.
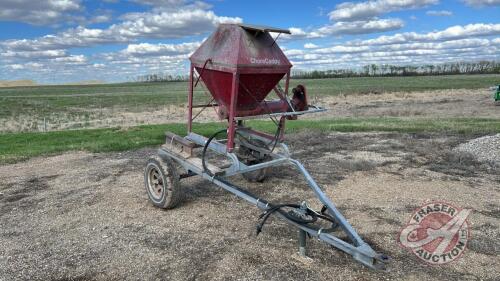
(264, 28)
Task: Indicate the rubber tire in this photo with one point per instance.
(258, 175)
(172, 193)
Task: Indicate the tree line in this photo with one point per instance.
(372, 70)
(161, 78)
(375, 70)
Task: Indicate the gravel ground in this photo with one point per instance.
(83, 216)
(485, 148)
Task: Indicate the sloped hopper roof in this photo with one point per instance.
(247, 49)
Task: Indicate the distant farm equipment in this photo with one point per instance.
(496, 94)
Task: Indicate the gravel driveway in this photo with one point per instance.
(83, 216)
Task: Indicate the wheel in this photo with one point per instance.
(252, 157)
(162, 183)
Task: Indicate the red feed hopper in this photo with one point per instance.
(251, 53)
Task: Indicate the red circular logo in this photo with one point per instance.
(437, 233)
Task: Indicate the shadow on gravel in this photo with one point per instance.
(20, 194)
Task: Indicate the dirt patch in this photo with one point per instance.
(440, 103)
(16, 83)
(86, 216)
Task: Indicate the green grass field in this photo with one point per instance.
(47, 101)
(66, 101)
(18, 146)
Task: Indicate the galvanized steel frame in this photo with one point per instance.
(359, 249)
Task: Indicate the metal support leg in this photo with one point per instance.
(190, 101)
(232, 112)
(302, 243)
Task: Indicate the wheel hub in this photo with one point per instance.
(155, 183)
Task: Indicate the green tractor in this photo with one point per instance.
(496, 95)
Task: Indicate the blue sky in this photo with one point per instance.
(56, 41)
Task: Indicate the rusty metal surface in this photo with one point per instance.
(232, 47)
(240, 65)
(249, 51)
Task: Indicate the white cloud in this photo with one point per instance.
(146, 49)
(160, 2)
(298, 33)
(150, 58)
(359, 18)
(34, 54)
(345, 28)
(16, 66)
(40, 57)
(169, 24)
(453, 44)
(147, 58)
(163, 25)
(342, 49)
(170, 5)
(294, 52)
(100, 19)
(38, 12)
(172, 19)
(348, 11)
(73, 59)
(78, 67)
(451, 33)
(295, 31)
(26, 67)
(359, 53)
(100, 16)
(442, 13)
(74, 37)
(310, 46)
(34, 65)
(361, 27)
(482, 3)
(471, 42)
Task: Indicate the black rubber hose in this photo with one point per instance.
(205, 169)
(276, 137)
(264, 216)
(277, 208)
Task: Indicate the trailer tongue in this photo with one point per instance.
(240, 65)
